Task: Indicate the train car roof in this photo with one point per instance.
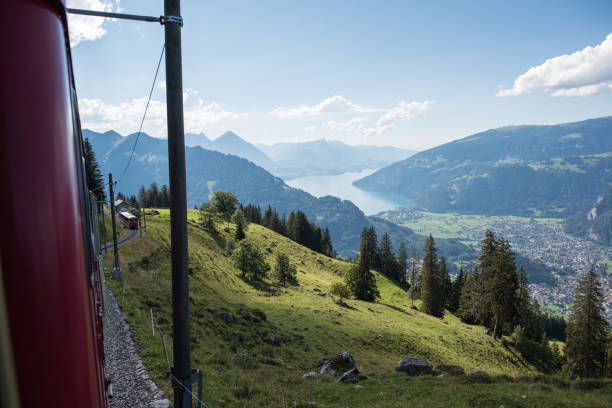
(127, 214)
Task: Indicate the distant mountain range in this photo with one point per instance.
(595, 222)
(291, 160)
(554, 170)
(209, 171)
(231, 143)
(329, 156)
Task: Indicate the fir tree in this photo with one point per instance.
(432, 284)
(241, 223)
(371, 248)
(95, 180)
(388, 262)
(587, 330)
(457, 287)
(447, 286)
(284, 273)
(142, 197)
(415, 279)
(402, 263)
(359, 279)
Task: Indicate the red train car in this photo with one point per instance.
(51, 346)
(128, 219)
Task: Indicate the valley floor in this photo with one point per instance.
(541, 239)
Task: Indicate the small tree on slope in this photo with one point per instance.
(587, 330)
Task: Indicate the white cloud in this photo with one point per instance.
(126, 116)
(405, 111)
(585, 72)
(88, 28)
(356, 126)
(335, 104)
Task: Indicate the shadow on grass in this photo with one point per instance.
(259, 284)
(398, 309)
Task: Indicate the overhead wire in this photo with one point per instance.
(144, 115)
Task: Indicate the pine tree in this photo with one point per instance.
(432, 286)
(241, 224)
(154, 195)
(326, 243)
(415, 279)
(402, 263)
(284, 273)
(142, 197)
(164, 197)
(388, 262)
(95, 180)
(447, 286)
(457, 287)
(372, 248)
(359, 279)
(587, 330)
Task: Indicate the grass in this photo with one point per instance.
(241, 369)
(469, 228)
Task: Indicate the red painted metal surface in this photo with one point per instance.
(54, 320)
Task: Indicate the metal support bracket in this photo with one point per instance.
(195, 378)
(171, 19)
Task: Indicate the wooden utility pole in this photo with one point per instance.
(116, 273)
(178, 206)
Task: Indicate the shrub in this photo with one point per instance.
(340, 290)
(244, 359)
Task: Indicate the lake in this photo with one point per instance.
(341, 186)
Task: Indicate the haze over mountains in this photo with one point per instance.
(554, 170)
(325, 156)
(291, 160)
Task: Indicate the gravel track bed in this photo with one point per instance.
(132, 386)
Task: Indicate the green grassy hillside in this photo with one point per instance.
(242, 368)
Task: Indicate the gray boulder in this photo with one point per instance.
(339, 363)
(414, 366)
(327, 371)
(227, 317)
(473, 371)
(352, 374)
(312, 374)
(273, 339)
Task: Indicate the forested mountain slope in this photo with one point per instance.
(595, 223)
(552, 170)
(209, 171)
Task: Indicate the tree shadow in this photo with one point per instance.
(342, 303)
(260, 285)
(398, 309)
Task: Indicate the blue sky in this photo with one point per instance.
(409, 74)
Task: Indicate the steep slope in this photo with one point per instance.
(595, 223)
(322, 157)
(209, 171)
(276, 335)
(519, 170)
